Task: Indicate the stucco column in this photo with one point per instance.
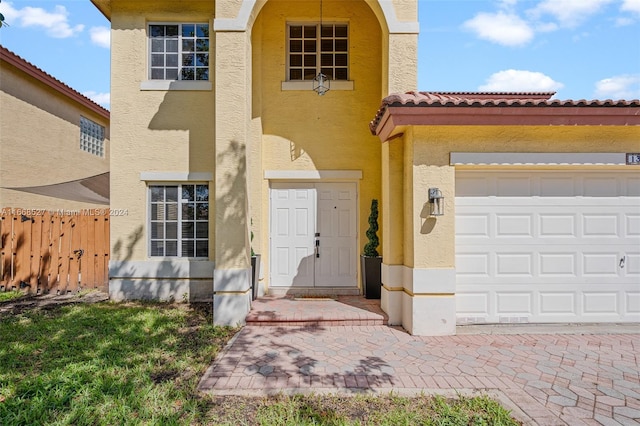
(403, 62)
(429, 287)
(232, 276)
(392, 229)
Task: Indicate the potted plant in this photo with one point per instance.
(371, 261)
(255, 269)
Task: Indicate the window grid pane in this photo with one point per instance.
(312, 49)
(91, 137)
(173, 52)
(179, 220)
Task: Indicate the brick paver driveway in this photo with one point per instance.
(572, 379)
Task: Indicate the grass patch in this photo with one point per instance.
(389, 409)
(6, 296)
(140, 363)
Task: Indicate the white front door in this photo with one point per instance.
(313, 235)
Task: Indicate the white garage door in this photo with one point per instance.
(547, 246)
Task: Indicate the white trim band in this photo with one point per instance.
(176, 176)
(176, 85)
(308, 85)
(313, 174)
(537, 159)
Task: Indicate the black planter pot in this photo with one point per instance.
(371, 276)
(255, 276)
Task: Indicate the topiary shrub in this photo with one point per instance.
(371, 248)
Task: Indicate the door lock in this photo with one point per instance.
(622, 261)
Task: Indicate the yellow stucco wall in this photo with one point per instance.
(304, 131)
(153, 130)
(246, 114)
(434, 244)
(40, 141)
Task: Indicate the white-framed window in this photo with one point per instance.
(179, 220)
(311, 49)
(179, 51)
(91, 137)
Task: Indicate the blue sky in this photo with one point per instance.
(581, 49)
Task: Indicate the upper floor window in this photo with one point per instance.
(179, 52)
(91, 137)
(312, 49)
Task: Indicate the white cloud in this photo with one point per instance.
(55, 23)
(502, 28)
(631, 6)
(619, 87)
(101, 36)
(569, 13)
(623, 21)
(103, 99)
(520, 81)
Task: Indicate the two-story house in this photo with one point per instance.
(225, 139)
(216, 126)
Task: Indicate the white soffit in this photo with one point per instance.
(537, 159)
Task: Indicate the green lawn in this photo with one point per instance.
(6, 296)
(140, 363)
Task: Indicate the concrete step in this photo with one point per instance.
(316, 311)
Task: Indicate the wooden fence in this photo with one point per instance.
(54, 251)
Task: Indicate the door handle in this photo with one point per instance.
(622, 261)
(317, 247)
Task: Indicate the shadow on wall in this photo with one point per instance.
(178, 112)
(168, 280)
(232, 204)
(428, 221)
(124, 250)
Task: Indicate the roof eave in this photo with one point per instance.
(104, 6)
(31, 70)
(397, 116)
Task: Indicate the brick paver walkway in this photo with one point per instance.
(546, 379)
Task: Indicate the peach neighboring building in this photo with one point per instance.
(54, 142)
(222, 145)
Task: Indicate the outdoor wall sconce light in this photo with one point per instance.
(436, 202)
(321, 84)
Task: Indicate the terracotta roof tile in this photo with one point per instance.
(487, 99)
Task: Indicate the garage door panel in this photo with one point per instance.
(547, 247)
(631, 262)
(508, 225)
(510, 186)
(553, 264)
(600, 302)
(514, 264)
(518, 303)
(559, 186)
(473, 264)
(632, 186)
(632, 302)
(600, 225)
(632, 225)
(472, 225)
(553, 225)
(557, 303)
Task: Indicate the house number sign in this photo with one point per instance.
(633, 158)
